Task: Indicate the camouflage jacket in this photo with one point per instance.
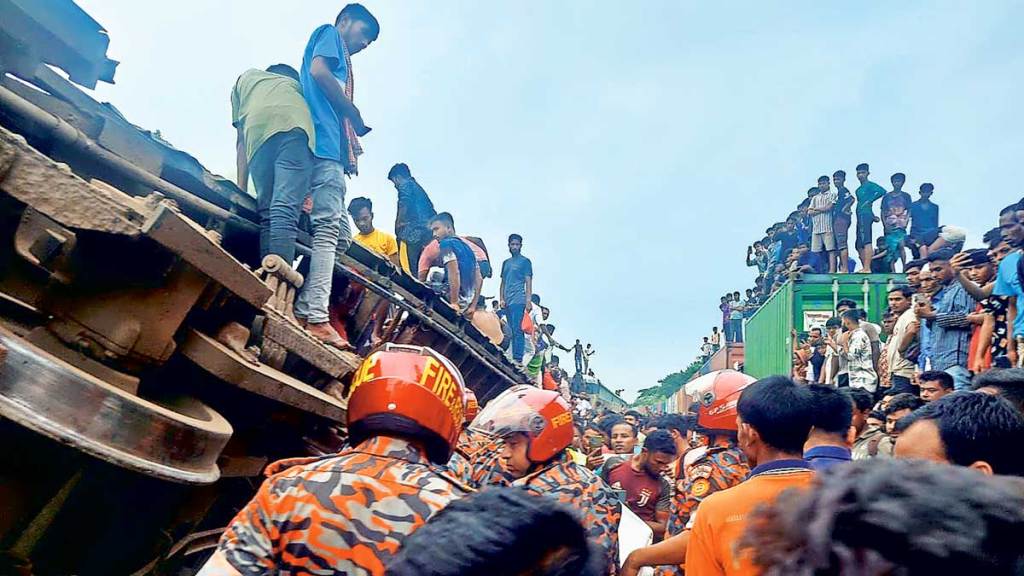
(485, 467)
(707, 470)
(583, 491)
(345, 514)
(469, 443)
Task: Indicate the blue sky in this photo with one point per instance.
(638, 147)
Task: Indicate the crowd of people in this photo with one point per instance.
(889, 450)
(299, 141)
(770, 476)
(815, 239)
(957, 315)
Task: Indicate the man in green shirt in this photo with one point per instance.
(275, 141)
(867, 194)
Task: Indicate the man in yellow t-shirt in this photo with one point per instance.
(379, 241)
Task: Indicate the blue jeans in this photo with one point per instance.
(281, 169)
(737, 329)
(515, 314)
(331, 235)
(961, 377)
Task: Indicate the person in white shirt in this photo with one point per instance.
(823, 240)
(583, 407)
(833, 362)
(858, 354)
(903, 335)
(705, 348)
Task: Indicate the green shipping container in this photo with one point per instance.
(802, 305)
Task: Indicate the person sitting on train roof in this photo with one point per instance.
(430, 256)
(461, 269)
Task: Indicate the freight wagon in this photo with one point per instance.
(806, 303)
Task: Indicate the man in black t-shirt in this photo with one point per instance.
(516, 292)
(842, 217)
(924, 218)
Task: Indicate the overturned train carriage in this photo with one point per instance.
(149, 365)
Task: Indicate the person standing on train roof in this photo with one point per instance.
(867, 194)
(536, 428)
(412, 221)
(516, 293)
(349, 512)
(274, 147)
(327, 84)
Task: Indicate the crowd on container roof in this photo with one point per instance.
(554, 477)
(815, 239)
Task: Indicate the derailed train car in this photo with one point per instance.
(149, 366)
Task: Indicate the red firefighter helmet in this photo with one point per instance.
(716, 395)
(543, 415)
(472, 406)
(409, 391)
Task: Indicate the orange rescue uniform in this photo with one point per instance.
(721, 518)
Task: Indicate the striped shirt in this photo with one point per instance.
(822, 221)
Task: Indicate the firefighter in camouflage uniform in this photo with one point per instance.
(536, 429)
(716, 465)
(469, 442)
(348, 513)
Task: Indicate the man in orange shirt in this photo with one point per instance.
(774, 418)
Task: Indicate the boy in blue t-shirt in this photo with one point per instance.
(460, 267)
(326, 79)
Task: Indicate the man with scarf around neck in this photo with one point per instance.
(327, 85)
(536, 428)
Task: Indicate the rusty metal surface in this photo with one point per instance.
(382, 285)
(177, 440)
(261, 379)
(60, 33)
(201, 249)
(288, 335)
(125, 315)
(48, 128)
(52, 189)
(48, 341)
